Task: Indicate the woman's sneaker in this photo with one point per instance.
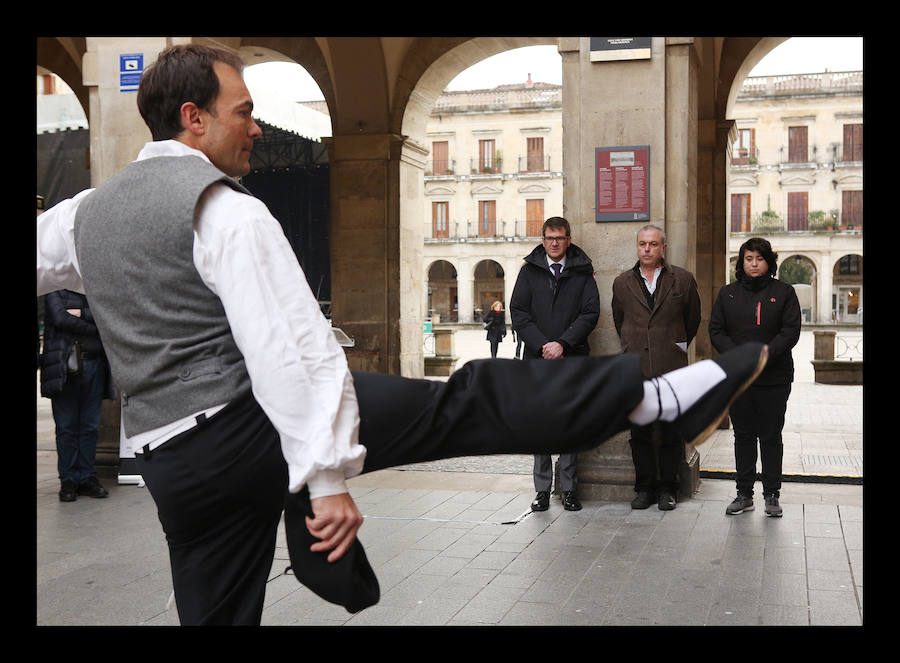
(740, 504)
(773, 508)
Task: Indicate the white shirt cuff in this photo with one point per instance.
(327, 482)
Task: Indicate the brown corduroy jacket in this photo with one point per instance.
(654, 334)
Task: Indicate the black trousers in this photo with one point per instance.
(657, 451)
(219, 488)
(757, 417)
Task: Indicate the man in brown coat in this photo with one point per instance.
(656, 310)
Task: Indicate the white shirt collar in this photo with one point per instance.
(169, 148)
(562, 262)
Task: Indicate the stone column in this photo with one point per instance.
(621, 103)
(369, 251)
(465, 284)
(826, 284)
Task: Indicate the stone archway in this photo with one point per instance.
(847, 289)
(442, 304)
(488, 286)
(801, 272)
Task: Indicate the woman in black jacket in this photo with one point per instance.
(495, 322)
(758, 307)
(75, 397)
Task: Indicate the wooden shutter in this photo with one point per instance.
(798, 151)
(798, 208)
(487, 219)
(740, 212)
(853, 142)
(440, 221)
(534, 217)
(535, 155)
(852, 209)
(440, 152)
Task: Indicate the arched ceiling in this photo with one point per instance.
(63, 56)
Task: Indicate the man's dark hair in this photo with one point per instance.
(557, 223)
(763, 248)
(180, 74)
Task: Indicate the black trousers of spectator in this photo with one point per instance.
(657, 451)
(219, 487)
(757, 417)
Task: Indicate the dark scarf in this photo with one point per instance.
(756, 283)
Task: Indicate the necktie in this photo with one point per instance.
(556, 267)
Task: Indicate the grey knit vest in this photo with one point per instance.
(165, 333)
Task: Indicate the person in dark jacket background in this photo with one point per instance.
(758, 307)
(496, 329)
(75, 397)
(555, 305)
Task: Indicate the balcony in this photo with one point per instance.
(500, 230)
(771, 223)
(440, 167)
(741, 156)
(534, 165)
(486, 166)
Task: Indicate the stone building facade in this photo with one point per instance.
(493, 175)
(795, 177)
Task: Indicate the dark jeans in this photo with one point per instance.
(657, 451)
(76, 413)
(219, 487)
(758, 418)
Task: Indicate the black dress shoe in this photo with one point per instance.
(742, 366)
(570, 502)
(68, 491)
(643, 500)
(542, 501)
(666, 502)
(92, 488)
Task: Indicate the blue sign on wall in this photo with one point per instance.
(131, 66)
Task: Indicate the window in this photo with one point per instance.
(534, 217)
(740, 212)
(440, 225)
(535, 158)
(440, 152)
(798, 150)
(798, 209)
(487, 218)
(486, 156)
(744, 148)
(852, 208)
(853, 142)
(849, 265)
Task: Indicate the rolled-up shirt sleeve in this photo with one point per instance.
(57, 263)
(298, 371)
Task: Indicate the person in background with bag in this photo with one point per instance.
(75, 376)
(495, 324)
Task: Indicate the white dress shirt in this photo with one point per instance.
(298, 371)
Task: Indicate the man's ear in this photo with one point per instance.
(192, 119)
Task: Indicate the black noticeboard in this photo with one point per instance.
(606, 49)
